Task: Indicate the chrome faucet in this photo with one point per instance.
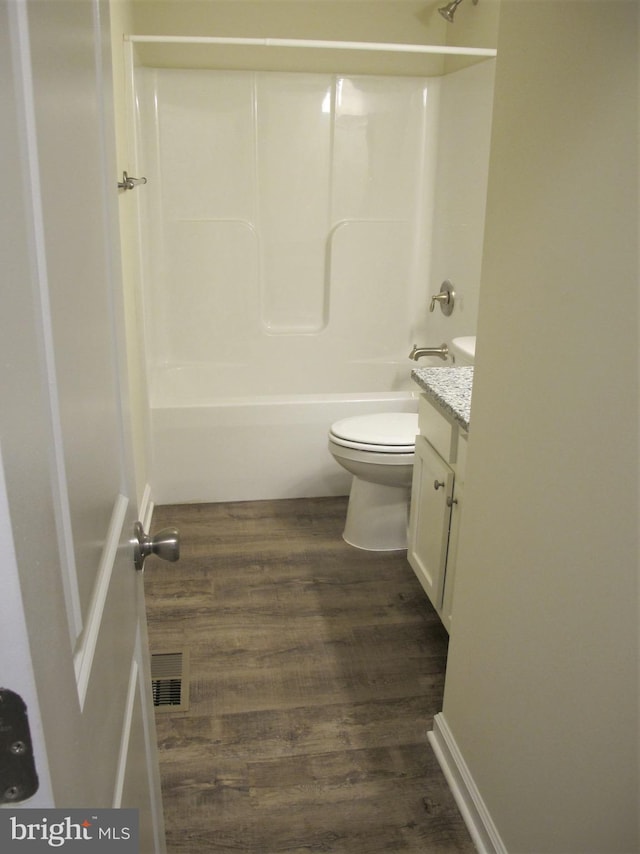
(417, 352)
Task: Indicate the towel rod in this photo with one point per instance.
(315, 43)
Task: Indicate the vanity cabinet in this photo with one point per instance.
(436, 505)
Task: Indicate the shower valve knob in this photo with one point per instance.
(441, 298)
(446, 298)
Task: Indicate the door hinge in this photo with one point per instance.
(18, 777)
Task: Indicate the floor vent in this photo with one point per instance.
(170, 681)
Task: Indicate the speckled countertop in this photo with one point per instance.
(449, 389)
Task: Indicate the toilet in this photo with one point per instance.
(378, 450)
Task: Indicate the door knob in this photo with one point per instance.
(165, 545)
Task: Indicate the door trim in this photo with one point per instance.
(85, 651)
(126, 734)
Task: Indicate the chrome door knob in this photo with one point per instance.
(165, 545)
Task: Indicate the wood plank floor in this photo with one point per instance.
(316, 669)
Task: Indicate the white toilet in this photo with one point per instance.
(379, 451)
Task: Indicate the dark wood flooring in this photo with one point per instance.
(316, 669)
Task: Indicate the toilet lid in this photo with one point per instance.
(392, 431)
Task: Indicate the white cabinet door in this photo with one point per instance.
(431, 496)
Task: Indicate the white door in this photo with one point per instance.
(72, 625)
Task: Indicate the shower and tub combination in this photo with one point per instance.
(292, 225)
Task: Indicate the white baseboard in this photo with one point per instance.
(146, 508)
(467, 796)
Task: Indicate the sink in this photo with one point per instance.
(464, 349)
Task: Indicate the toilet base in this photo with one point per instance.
(377, 516)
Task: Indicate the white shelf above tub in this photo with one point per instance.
(312, 55)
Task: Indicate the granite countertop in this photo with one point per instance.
(449, 389)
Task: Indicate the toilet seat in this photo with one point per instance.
(382, 433)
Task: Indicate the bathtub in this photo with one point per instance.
(210, 443)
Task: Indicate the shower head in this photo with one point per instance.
(449, 10)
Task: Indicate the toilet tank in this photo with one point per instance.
(463, 350)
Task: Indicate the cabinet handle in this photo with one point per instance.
(451, 502)
(437, 484)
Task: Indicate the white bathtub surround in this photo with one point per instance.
(281, 215)
(461, 177)
(286, 248)
(267, 444)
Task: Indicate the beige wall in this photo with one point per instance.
(541, 692)
(371, 20)
(395, 21)
(410, 21)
